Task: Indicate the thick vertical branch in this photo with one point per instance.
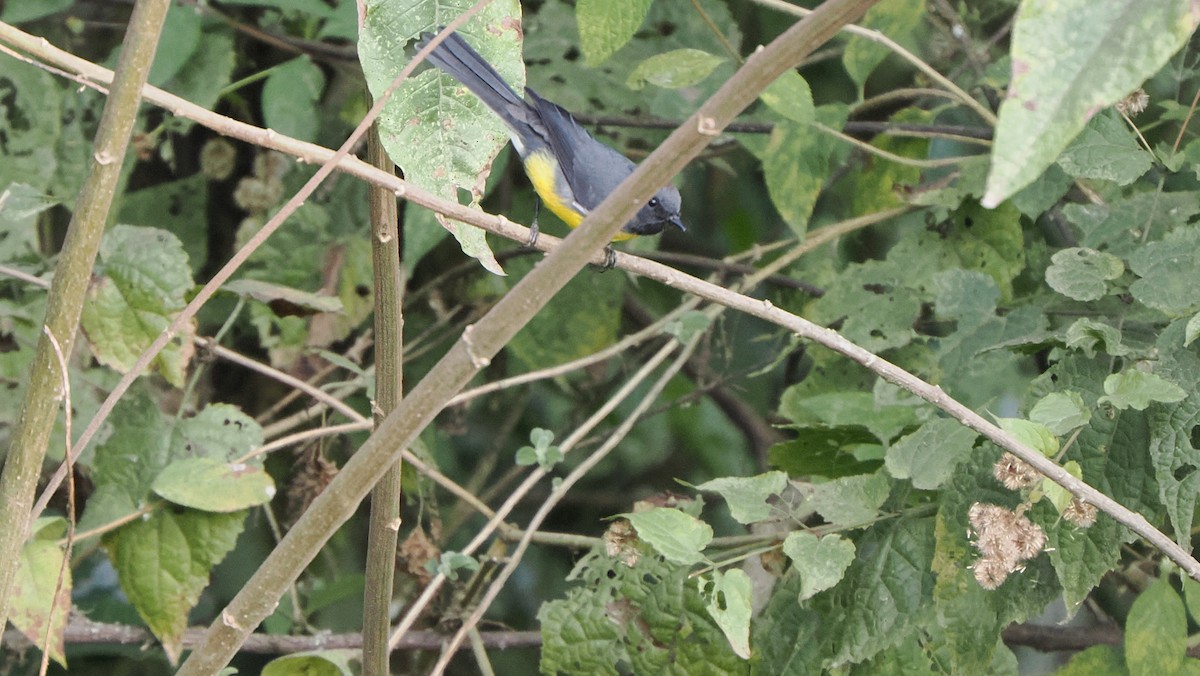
(71, 275)
(385, 498)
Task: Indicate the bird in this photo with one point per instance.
(570, 170)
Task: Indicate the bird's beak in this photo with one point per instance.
(677, 223)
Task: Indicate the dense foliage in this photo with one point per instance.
(999, 197)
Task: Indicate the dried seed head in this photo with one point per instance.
(1015, 473)
(990, 573)
(218, 158)
(1133, 104)
(1005, 539)
(620, 542)
(1080, 513)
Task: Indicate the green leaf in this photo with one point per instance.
(344, 662)
(1169, 271)
(874, 305)
(20, 205)
(204, 76)
(179, 41)
(29, 152)
(22, 11)
(675, 69)
(1113, 450)
(1106, 150)
(1034, 435)
(605, 27)
(886, 595)
(1071, 59)
(542, 452)
(143, 445)
(581, 319)
(163, 563)
(785, 633)
(1191, 596)
(1061, 412)
(144, 276)
(127, 462)
(1098, 660)
(41, 596)
(1156, 632)
(677, 536)
(1089, 335)
(442, 136)
(796, 162)
(1058, 496)
(220, 431)
(290, 98)
(284, 301)
(728, 602)
(450, 563)
(1082, 556)
(1172, 446)
(649, 616)
(1137, 389)
(909, 657)
(821, 562)
(211, 485)
(965, 295)
(578, 638)
(183, 204)
(1081, 273)
(850, 501)
(1193, 330)
(791, 97)
(688, 325)
(1119, 226)
(848, 410)
(899, 20)
(824, 452)
(929, 455)
(1038, 197)
(747, 496)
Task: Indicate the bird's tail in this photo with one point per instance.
(458, 59)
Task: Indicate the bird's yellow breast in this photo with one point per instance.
(543, 173)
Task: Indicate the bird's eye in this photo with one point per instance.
(653, 201)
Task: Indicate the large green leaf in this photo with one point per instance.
(605, 27)
(1156, 632)
(41, 593)
(648, 615)
(440, 134)
(1071, 58)
(929, 455)
(143, 281)
(887, 593)
(163, 563)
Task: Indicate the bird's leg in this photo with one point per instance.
(533, 229)
(610, 259)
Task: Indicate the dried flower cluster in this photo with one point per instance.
(1005, 539)
(1015, 473)
(1133, 104)
(620, 542)
(1080, 513)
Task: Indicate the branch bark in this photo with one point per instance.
(71, 276)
